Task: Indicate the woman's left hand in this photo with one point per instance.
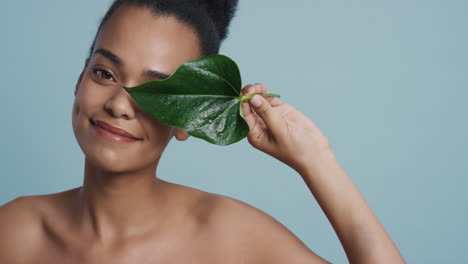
(281, 131)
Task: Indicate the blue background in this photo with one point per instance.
(386, 81)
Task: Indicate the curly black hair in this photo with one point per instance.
(209, 18)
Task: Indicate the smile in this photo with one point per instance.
(112, 133)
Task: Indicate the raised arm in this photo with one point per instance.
(283, 132)
(363, 237)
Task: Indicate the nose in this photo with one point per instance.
(120, 105)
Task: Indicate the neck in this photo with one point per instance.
(115, 206)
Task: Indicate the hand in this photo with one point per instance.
(281, 131)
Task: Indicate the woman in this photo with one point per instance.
(124, 213)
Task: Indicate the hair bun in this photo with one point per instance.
(221, 12)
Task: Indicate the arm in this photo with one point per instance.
(363, 237)
(281, 131)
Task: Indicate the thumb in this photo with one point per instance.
(263, 108)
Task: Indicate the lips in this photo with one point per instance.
(118, 132)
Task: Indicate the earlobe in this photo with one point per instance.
(81, 76)
(180, 134)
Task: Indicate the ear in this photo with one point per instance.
(180, 134)
(81, 76)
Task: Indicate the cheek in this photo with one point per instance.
(90, 95)
(88, 99)
(158, 133)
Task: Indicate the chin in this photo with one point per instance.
(110, 158)
(112, 161)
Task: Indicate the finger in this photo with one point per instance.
(253, 88)
(248, 89)
(263, 108)
(274, 101)
(246, 109)
(248, 112)
(248, 115)
(259, 88)
(255, 123)
(244, 89)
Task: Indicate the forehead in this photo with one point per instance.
(141, 39)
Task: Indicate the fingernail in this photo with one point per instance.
(256, 101)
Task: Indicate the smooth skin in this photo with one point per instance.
(124, 213)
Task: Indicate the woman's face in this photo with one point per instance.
(133, 47)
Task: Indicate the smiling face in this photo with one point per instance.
(133, 47)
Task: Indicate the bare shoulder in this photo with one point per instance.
(20, 226)
(19, 216)
(266, 240)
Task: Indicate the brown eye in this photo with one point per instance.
(103, 74)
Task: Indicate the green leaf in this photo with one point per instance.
(203, 97)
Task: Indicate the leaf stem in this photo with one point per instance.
(246, 97)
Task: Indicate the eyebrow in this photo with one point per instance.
(156, 74)
(118, 61)
(110, 55)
